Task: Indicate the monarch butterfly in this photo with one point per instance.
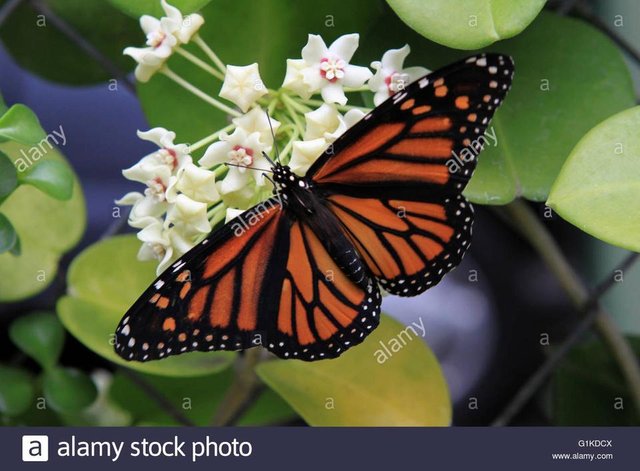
(300, 272)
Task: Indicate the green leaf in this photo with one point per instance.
(467, 24)
(47, 228)
(9, 241)
(40, 335)
(68, 390)
(536, 129)
(197, 398)
(365, 388)
(598, 189)
(589, 390)
(51, 177)
(588, 81)
(104, 281)
(154, 8)
(286, 24)
(20, 124)
(16, 390)
(35, 42)
(8, 176)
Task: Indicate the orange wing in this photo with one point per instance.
(408, 245)
(216, 297)
(323, 311)
(395, 179)
(262, 279)
(426, 138)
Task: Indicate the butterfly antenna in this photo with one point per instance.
(266, 156)
(250, 168)
(266, 175)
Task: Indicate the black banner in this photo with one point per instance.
(319, 448)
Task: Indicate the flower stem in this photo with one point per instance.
(199, 93)
(209, 52)
(339, 107)
(287, 148)
(242, 390)
(210, 138)
(217, 214)
(542, 241)
(289, 105)
(296, 105)
(199, 62)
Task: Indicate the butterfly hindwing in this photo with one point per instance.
(326, 306)
(395, 179)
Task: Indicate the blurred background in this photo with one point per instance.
(484, 321)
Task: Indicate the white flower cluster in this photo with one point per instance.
(184, 200)
(163, 36)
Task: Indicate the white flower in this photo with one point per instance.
(245, 197)
(156, 245)
(305, 153)
(153, 202)
(326, 70)
(160, 42)
(241, 150)
(182, 27)
(256, 121)
(242, 85)
(196, 182)
(232, 213)
(169, 155)
(157, 171)
(328, 123)
(145, 208)
(294, 78)
(390, 76)
(188, 214)
(163, 35)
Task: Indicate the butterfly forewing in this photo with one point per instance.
(216, 297)
(395, 179)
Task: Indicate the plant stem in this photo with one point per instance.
(537, 379)
(199, 63)
(210, 138)
(287, 148)
(289, 105)
(542, 241)
(241, 392)
(338, 107)
(199, 93)
(209, 52)
(164, 403)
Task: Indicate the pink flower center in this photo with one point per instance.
(156, 188)
(169, 157)
(332, 69)
(242, 156)
(159, 250)
(396, 81)
(156, 38)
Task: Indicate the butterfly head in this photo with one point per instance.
(286, 179)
